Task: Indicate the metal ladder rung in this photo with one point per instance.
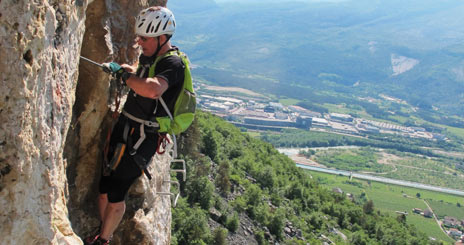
(176, 197)
(173, 196)
(183, 170)
(172, 182)
(180, 171)
(173, 154)
(165, 193)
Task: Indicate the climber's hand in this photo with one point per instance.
(116, 71)
(129, 68)
(112, 67)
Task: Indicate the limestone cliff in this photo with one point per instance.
(54, 111)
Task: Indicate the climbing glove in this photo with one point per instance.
(117, 71)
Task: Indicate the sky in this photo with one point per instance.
(277, 1)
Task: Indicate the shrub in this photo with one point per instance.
(191, 225)
(368, 207)
(239, 204)
(232, 222)
(276, 224)
(219, 236)
(260, 238)
(200, 190)
(222, 178)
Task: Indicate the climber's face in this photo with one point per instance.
(148, 44)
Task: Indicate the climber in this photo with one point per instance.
(134, 138)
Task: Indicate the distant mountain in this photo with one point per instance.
(412, 50)
(186, 6)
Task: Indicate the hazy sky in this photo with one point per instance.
(277, 1)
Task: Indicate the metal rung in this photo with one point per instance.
(165, 193)
(179, 160)
(172, 182)
(176, 197)
(183, 170)
(178, 194)
(173, 196)
(180, 171)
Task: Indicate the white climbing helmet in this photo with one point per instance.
(154, 22)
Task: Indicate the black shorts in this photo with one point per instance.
(117, 184)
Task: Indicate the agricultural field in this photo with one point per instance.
(428, 226)
(393, 164)
(443, 208)
(456, 131)
(392, 198)
(288, 102)
(363, 159)
(254, 134)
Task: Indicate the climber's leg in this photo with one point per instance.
(113, 216)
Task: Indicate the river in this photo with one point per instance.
(294, 151)
(383, 180)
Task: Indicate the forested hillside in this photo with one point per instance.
(240, 190)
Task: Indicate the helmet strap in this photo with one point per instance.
(150, 59)
(168, 37)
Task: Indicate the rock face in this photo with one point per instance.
(40, 45)
(55, 114)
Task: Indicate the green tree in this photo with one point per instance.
(200, 190)
(316, 220)
(239, 204)
(266, 177)
(295, 191)
(232, 222)
(260, 238)
(401, 218)
(253, 195)
(210, 145)
(276, 224)
(219, 236)
(359, 238)
(368, 207)
(190, 224)
(276, 198)
(223, 180)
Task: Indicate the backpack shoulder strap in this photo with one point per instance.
(186, 64)
(151, 72)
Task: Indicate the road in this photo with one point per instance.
(384, 180)
(436, 219)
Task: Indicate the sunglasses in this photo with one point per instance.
(144, 39)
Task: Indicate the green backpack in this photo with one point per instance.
(184, 109)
